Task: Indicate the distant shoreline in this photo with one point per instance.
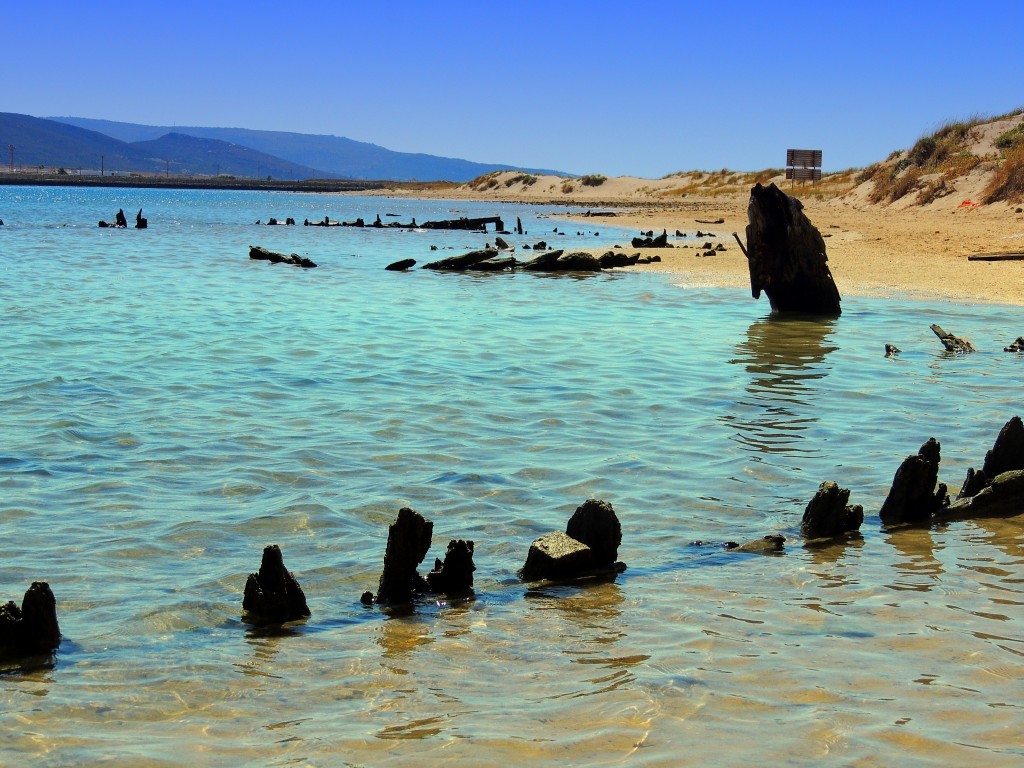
(221, 182)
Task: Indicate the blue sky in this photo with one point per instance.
(628, 88)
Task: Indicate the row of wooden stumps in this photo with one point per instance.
(587, 548)
(589, 545)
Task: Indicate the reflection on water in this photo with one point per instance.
(918, 569)
(783, 357)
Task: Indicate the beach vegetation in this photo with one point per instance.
(593, 180)
(1007, 182)
(1011, 138)
(567, 188)
(933, 190)
(61, 172)
(526, 179)
(485, 182)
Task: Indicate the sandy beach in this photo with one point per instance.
(873, 250)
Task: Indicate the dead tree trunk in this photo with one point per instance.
(786, 255)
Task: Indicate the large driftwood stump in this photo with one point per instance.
(273, 596)
(913, 496)
(408, 542)
(786, 255)
(31, 630)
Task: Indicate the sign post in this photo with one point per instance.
(803, 165)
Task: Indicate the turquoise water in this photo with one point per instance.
(169, 408)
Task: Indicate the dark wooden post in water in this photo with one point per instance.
(786, 255)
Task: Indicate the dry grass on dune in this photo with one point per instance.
(937, 162)
(978, 160)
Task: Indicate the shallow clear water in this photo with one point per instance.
(169, 408)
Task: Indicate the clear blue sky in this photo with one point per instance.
(626, 88)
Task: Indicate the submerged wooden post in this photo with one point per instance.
(786, 255)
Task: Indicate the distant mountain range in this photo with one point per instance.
(84, 143)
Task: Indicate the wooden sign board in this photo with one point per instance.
(803, 164)
(803, 158)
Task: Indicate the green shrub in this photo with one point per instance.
(1011, 138)
(593, 180)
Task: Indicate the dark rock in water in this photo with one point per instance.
(471, 225)
(273, 596)
(408, 542)
(827, 515)
(454, 576)
(661, 241)
(121, 219)
(588, 547)
(556, 556)
(502, 244)
(357, 223)
(31, 630)
(596, 525)
(140, 222)
(891, 350)
(1017, 345)
(952, 343)
(402, 265)
(610, 260)
(460, 263)
(786, 255)
(540, 246)
(913, 496)
(494, 265)
(764, 546)
(259, 253)
(1002, 496)
(1007, 455)
(578, 261)
(543, 263)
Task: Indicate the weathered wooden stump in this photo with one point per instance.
(453, 576)
(1002, 496)
(408, 542)
(786, 255)
(1007, 454)
(952, 343)
(766, 545)
(913, 496)
(32, 629)
(595, 524)
(461, 263)
(273, 596)
(828, 515)
(259, 253)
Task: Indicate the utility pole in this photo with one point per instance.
(102, 158)
(168, 172)
(11, 147)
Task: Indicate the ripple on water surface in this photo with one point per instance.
(170, 408)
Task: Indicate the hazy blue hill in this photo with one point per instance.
(53, 144)
(190, 155)
(339, 155)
